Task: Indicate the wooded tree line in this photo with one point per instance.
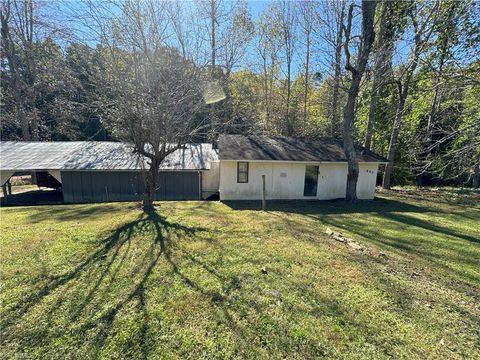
(401, 78)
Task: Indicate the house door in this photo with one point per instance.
(311, 180)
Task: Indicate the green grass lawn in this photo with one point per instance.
(213, 280)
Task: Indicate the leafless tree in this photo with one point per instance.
(330, 18)
(285, 13)
(267, 46)
(19, 24)
(339, 16)
(160, 95)
(229, 29)
(188, 35)
(235, 37)
(308, 10)
(381, 65)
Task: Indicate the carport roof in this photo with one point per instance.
(96, 155)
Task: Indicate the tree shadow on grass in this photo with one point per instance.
(114, 240)
(406, 235)
(394, 226)
(387, 208)
(412, 221)
(316, 207)
(215, 298)
(87, 285)
(240, 294)
(87, 299)
(75, 212)
(445, 195)
(32, 198)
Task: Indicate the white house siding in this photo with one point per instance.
(211, 180)
(231, 190)
(332, 181)
(367, 179)
(285, 181)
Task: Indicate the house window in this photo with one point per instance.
(242, 172)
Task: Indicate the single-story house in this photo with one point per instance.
(110, 171)
(293, 168)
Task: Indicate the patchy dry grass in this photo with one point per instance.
(213, 280)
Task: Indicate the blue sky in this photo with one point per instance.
(256, 7)
(65, 7)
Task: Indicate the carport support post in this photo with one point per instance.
(4, 188)
(263, 193)
(9, 186)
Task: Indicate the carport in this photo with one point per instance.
(107, 171)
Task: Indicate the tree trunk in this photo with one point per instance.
(371, 113)
(334, 121)
(368, 35)
(265, 86)
(23, 120)
(402, 98)
(392, 147)
(213, 18)
(476, 175)
(403, 93)
(348, 145)
(34, 125)
(307, 65)
(150, 186)
(380, 65)
(434, 108)
(289, 130)
(270, 92)
(9, 52)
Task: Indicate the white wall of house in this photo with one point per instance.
(211, 180)
(332, 181)
(285, 180)
(367, 179)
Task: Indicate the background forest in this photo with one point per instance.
(66, 71)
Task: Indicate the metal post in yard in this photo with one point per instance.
(263, 193)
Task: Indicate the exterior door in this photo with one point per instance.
(311, 180)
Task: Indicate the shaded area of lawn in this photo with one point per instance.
(32, 195)
(213, 280)
(432, 231)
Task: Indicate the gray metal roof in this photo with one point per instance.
(282, 148)
(96, 155)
